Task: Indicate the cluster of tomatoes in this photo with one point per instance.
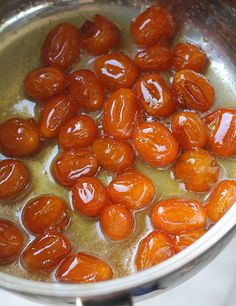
(133, 96)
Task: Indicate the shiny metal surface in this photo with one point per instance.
(209, 23)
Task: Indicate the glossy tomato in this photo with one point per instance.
(182, 241)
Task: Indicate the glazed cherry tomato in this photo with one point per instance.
(99, 35)
(44, 213)
(117, 222)
(133, 190)
(79, 132)
(193, 90)
(155, 96)
(45, 252)
(222, 136)
(83, 268)
(156, 58)
(151, 26)
(189, 56)
(182, 241)
(62, 46)
(44, 83)
(19, 137)
(89, 196)
(152, 250)
(189, 130)
(71, 165)
(221, 200)
(176, 215)
(155, 144)
(86, 90)
(55, 113)
(14, 179)
(119, 114)
(197, 169)
(116, 71)
(11, 241)
(113, 155)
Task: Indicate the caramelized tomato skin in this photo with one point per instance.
(152, 250)
(83, 268)
(14, 179)
(182, 241)
(176, 215)
(222, 136)
(221, 200)
(11, 242)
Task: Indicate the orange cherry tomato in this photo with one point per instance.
(133, 190)
(71, 165)
(117, 222)
(89, 196)
(119, 114)
(45, 252)
(83, 268)
(19, 137)
(79, 132)
(86, 90)
(156, 58)
(197, 169)
(222, 136)
(116, 71)
(176, 215)
(155, 144)
(11, 241)
(14, 179)
(61, 47)
(182, 241)
(189, 130)
(189, 56)
(44, 83)
(151, 26)
(55, 113)
(193, 90)
(155, 96)
(99, 35)
(221, 200)
(44, 213)
(113, 155)
(152, 250)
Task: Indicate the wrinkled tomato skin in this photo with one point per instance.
(152, 25)
(152, 250)
(71, 165)
(193, 90)
(155, 144)
(189, 56)
(14, 179)
(222, 136)
(221, 200)
(11, 242)
(19, 137)
(83, 268)
(86, 90)
(79, 132)
(182, 241)
(99, 35)
(116, 70)
(113, 155)
(55, 113)
(44, 213)
(119, 114)
(197, 169)
(89, 196)
(44, 83)
(61, 47)
(176, 215)
(189, 130)
(155, 96)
